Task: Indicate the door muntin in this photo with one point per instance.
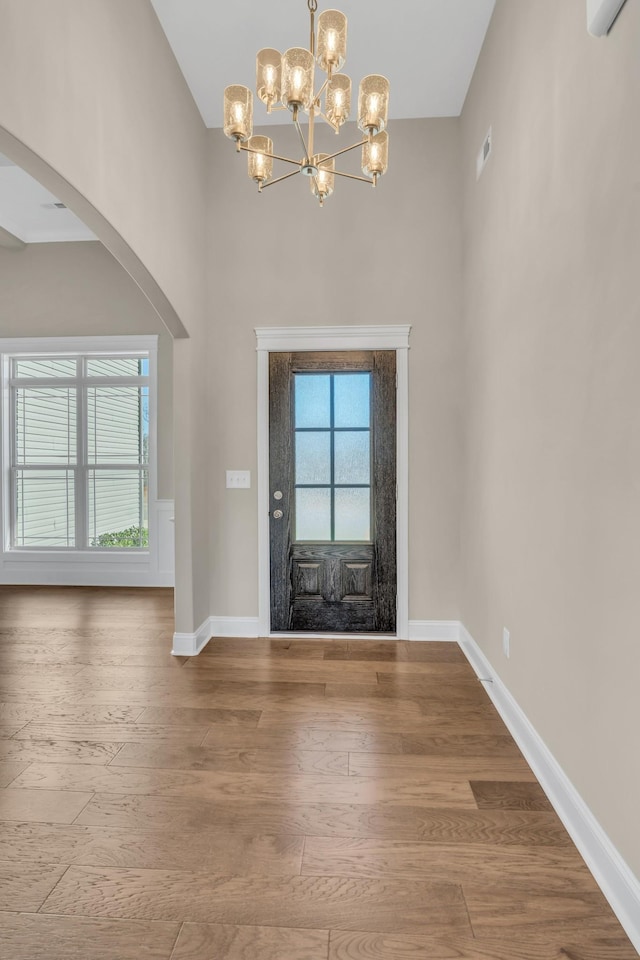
(332, 429)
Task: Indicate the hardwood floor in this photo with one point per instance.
(269, 800)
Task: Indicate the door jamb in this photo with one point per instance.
(291, 339)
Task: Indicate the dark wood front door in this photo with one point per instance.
(332, 453)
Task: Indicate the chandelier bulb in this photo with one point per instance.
(238, 112)
(269, 77)
(373, 104)
(332, 41)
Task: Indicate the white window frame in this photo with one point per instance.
(42, 558)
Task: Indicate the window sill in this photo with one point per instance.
(76, 556)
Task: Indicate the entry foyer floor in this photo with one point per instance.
(268, 800)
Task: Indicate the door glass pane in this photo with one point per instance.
(352, 459)
(313, 457)
(352, 401)
(45, 425)
(117, 367)
(313, 513)
(117, 424)
(45, 508)
(353, 514)
(312, 400)
(118, 502)
(45, 367)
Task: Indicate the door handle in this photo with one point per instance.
(277, 514)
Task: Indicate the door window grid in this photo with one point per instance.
(61, 496)
(337, 493)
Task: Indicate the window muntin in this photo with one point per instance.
(332, 456)
(79, 452)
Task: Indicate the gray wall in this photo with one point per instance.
(392, 256)
(78, 290)
(551, 529)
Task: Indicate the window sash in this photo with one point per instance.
(80, 470)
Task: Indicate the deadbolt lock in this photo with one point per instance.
(277, 495)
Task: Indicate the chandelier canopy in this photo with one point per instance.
(287, 82)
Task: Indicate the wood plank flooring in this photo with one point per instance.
(282, 799)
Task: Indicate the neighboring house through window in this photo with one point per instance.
(78, 447)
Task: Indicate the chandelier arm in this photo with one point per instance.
(346, 150)
(352, 176)
(313, 6)
(316, 99)
(274, 156)
(302, 140)
(280, 179)
(334, 126)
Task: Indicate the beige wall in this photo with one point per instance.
(93, 103)
(392, 256)
(551, 529)
(78, 290)
(92, 87)
(549, 478)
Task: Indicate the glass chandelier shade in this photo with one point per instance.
(331, 44)
(375, 155)
(373, 104)
(287, 82)
(238, 112)
(338, 99)
(269, 77)
(322, 184)
(260, 165)
(297, 78)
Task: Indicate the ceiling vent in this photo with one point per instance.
(484, 154)
(55, 205)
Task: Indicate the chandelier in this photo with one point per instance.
(287, 82)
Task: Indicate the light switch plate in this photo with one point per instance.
(238, 479)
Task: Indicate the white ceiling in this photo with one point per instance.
(27, 210)
(427, 48)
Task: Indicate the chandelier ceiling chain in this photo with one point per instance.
(287, 82)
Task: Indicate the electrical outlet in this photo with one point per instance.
(506, 641)
(238, 479)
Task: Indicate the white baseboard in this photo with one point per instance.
(190, 644)
(614, 877)
(234, 626)
(434, 630)
(250, 627)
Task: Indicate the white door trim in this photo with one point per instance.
(289, 339)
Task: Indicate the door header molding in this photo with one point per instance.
(357, 337)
